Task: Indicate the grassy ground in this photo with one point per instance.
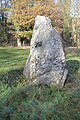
(20, 101)
(12, 61)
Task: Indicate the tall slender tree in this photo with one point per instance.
(71, 17)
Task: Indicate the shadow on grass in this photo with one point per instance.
(73, 66)
(12, 77)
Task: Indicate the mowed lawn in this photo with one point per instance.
(20, 101)
(12, 58)
(12, 62)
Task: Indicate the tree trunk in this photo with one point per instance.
(18, 43)
(77, 41)
(75, 31)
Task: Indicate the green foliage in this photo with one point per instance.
(20, 100)
(27, 34)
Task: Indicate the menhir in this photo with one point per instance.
(46, 62)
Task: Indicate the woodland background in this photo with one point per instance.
(17, 20)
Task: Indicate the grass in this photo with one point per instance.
(12, 61)
(73, 63)
(20, 101)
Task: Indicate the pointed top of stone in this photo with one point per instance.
(42, 20)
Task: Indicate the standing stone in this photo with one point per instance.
(46, 62)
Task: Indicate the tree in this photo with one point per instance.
(25, 11)
(71, 18)
(75, 20)
(5, 6)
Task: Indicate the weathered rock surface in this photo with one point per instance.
(46, 62)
